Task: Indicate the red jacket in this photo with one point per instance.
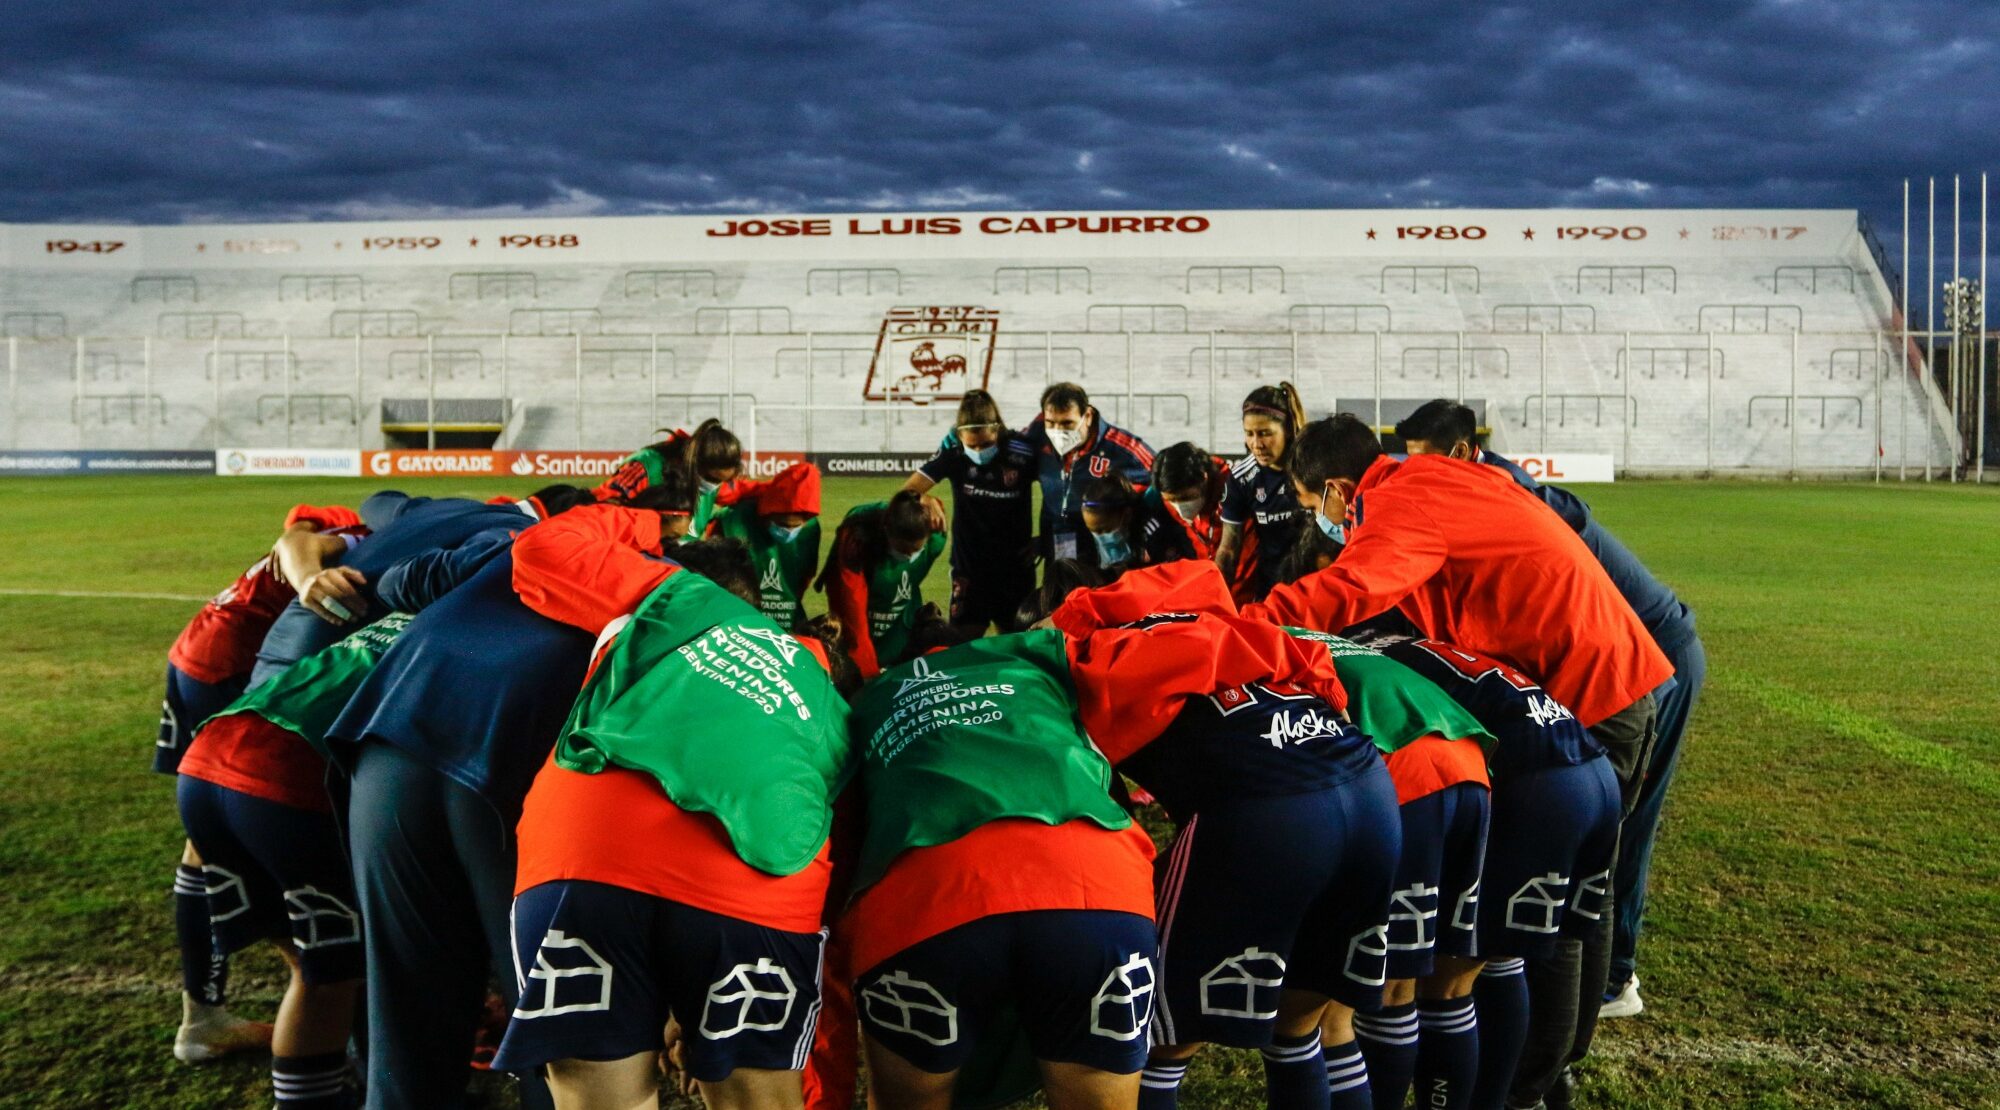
(1473, 559)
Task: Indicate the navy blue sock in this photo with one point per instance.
(1294, 1077)
(204, 971)
(1388, 1040)
(1502, 999)
(1160, 1084)
(322, 1082)
(1346, 1077)
(1447, 1053)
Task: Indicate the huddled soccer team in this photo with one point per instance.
(575, 788)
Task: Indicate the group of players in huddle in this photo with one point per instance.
(573, 786)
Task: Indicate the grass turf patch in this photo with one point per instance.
(1824, 893)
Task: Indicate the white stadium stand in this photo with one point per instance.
(1674, 341)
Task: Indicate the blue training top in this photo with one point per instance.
(403, 527)
(477, 687)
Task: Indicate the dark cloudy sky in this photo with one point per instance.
(219, 110)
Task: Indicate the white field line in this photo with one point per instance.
(109, 595)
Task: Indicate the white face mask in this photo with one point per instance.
(1065, 440)
(1188, 510)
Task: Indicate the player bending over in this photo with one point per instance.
(254, 800)
(674, 856)
(208, 667)
(1274, 899)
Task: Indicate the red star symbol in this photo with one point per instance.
(1371, 233)
(336, 244)
(1684, 233)
(475, 242)
(200, 247)
(1527, 233)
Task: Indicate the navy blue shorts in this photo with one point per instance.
(1435, 908)
(600, 969)
(1549, 853)
(275, 873)
(1271, 893)
(1080, 981)
(188, 703)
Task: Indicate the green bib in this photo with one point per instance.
(955, 739)
(895, 591)
(729, 713)
(307, 696)
(784, 567)
(1393, 704)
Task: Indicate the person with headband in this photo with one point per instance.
(992, 476)
(1260, 516)
(1074, 443)
(711, 456)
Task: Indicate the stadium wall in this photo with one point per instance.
(1673, 341)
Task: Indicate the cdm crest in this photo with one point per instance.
(932, 353)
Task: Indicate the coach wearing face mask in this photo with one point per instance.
(1073, 444)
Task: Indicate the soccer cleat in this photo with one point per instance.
(211, 1032)
(1623, 1003)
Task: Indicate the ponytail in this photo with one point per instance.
(1281, 403)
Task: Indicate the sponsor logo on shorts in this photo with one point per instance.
(1465, 915)
(1591, 895)
(1245, 985)
(569, 977)
(1537, 906)
(319, 919)
(1413, 919)
(1124, 1001)
(227, 896)
(754, 997)
(1307, 725)
(170, 727)
(896, 1002)
(1368, 957)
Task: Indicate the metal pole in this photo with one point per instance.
(1377, 424)
(1131, 413)
(732, 372)
(1544, 336)
(1877, 362)
(430, 393)
(1458, 355)
(654, 409)
(146, 384)
(359, 389)
(810, 360)
(1903, 352)
(285, 367)
(76, 373)
(1979, 451)
(1625, 405)
(14, 390)
(1708, 422)
(1793, 420)
(577, 347)
(506, 400)
(215, 384)
(1211, 387)
(1958, 329)
(1930, 316)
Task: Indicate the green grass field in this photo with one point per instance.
(1826, 893)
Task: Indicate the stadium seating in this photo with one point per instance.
(1747, 364)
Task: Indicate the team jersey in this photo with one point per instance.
(271, 742)
(221, 642)
(1475, 560)
(877, 605)
(771, 749)
(1062, 478)
(1430, 741)
(643, 469)
(992, 521)
(1531, 730)
(784, 566)
(1261, 502)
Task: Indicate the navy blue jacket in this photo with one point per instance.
(402, 527)
(476, 688)
(1663, 613)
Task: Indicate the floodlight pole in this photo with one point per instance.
(1957, 417)
(1979, 338)
(1903, 353)
(1930, 317)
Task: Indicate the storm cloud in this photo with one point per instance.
(267, 111)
